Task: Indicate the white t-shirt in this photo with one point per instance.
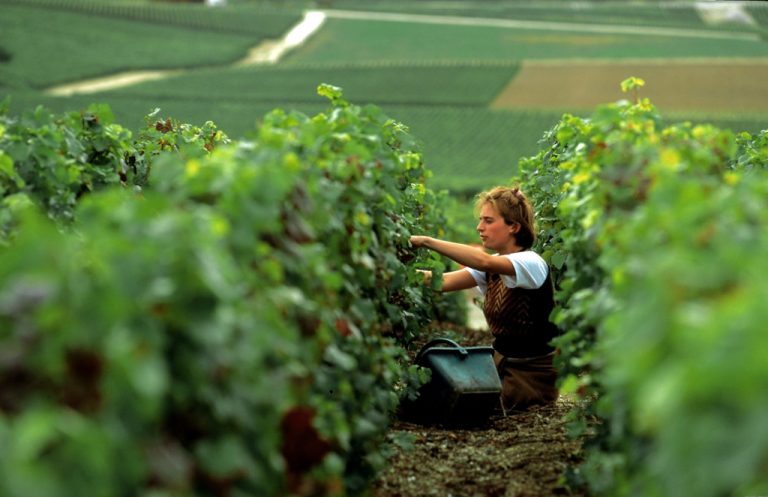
(530, 272)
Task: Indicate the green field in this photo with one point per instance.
(366, 40)
(670, 14)
(438, 78)
(74, 44)
(429, 83)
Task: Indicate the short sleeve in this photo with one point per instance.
(479, 277)
(531, 270)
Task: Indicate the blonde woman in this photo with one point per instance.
(518, 293)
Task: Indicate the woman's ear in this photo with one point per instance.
(514, 228)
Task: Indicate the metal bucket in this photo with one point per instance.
(464, 387)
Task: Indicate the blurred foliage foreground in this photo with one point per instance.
(181, 314)
(659, 237)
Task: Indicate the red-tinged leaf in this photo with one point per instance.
(303, 447)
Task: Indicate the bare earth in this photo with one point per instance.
(520, 455)
(523, 454)
(714, 85)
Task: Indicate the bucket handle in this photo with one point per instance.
(436, 341)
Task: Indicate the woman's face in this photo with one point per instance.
(494, 232)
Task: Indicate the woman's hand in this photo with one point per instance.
(419, 241)
(427, 275)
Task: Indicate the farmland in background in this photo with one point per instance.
(440, 77)
(74, 40)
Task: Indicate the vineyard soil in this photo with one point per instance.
(715, 85)
(522, 454)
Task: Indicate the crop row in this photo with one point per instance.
(208, 316)
(657, 234)
(467, 148)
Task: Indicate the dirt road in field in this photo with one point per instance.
(540, 25)
(715, 85)
(267, 52)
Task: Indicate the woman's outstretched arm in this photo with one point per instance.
(466, 255)
(453, 280)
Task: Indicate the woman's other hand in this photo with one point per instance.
(427, 275)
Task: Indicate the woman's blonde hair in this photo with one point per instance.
(514, 207)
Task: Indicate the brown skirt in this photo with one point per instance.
(526, 382)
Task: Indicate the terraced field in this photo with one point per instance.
(477, 82)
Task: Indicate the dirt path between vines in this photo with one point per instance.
(523, 454)
(518, 455)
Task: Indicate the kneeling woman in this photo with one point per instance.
(518, 294)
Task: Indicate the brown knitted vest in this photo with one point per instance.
(519, 318)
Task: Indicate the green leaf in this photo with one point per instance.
(332, 93)
(223, 457)
(631, 83)
(558, 259)
(6, 167)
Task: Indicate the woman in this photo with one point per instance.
(518, 294)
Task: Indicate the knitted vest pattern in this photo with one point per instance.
(519, 318)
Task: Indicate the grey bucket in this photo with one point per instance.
(464, 386)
